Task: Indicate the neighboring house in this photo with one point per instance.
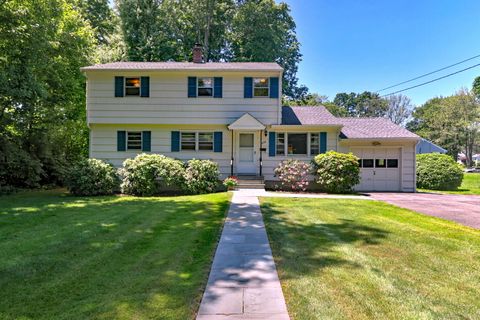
(231, 113)
(426, 146)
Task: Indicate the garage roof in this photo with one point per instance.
(352, 128)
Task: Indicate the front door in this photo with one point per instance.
(246, 154)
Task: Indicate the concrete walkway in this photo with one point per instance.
(243, 281)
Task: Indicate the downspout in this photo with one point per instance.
(261, 153)
(231, 159)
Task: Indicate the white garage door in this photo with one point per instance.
(379, 169)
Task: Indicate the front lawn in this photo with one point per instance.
(470, 185)
(362, 259)
(64, 257)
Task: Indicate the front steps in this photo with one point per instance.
(250, 182)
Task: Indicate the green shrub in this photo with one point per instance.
(293, 175)
(92, 177)
(337, 172)
(438, 172)
(147, 174)
(201, 176)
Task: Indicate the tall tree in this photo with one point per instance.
(43, 44)
(399, 108)
(365, 104)
(451, 122)
(265, 31)
(229, 30)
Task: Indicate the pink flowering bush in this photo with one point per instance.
(293, 175)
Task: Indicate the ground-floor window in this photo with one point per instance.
(378, 163)
(134, 140)
(196, 141)
(297, 143)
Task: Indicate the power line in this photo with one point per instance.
(427, 74)
(424, 83)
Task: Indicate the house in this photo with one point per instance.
(231, 113)
(426, 146)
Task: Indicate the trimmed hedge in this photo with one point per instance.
(337, 172)
(200, 176)
(147, 174)
(438, 172)
(92, 177)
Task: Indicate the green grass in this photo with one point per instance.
(362, 259)
(470, 185)
(64, 257)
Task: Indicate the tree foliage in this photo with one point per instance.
(255, 31)
(365, 104)
(399, 108)
(43, 44)
(451, 122)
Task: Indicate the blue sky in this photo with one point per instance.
(358, 45)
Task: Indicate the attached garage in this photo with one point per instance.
(380, 168)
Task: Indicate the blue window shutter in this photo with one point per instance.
(272, 140)
(145, 87)
(146, 141)
(274, 87)
(323, 142)
(119, 86)
(217, 141)
(248, 87)
(175, 143)
(217, 87)
(121, 141)
(192, 87)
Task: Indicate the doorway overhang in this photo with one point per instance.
(246, 122)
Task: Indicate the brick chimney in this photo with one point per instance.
(197, 53)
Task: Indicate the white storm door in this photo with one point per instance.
(246, 153)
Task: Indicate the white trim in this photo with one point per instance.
(246, 122)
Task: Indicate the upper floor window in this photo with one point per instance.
(261, 87)
(205, 87)
(134, 140)
(132, 86)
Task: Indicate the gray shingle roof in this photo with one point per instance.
(308, 116)
(373, 128)
(224, 66)
(352, 128)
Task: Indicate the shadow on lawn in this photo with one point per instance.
(105, 257)
(302, 248)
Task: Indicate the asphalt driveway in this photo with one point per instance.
(464, 209)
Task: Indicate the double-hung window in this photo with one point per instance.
(132, 86)
(134, 140)
(196, 141)
(314, 143)
(261, 87)
(280, 144)
(205, 87)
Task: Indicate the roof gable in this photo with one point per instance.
(246, 122)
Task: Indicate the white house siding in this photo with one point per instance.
(169, 104)
(103, 143)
